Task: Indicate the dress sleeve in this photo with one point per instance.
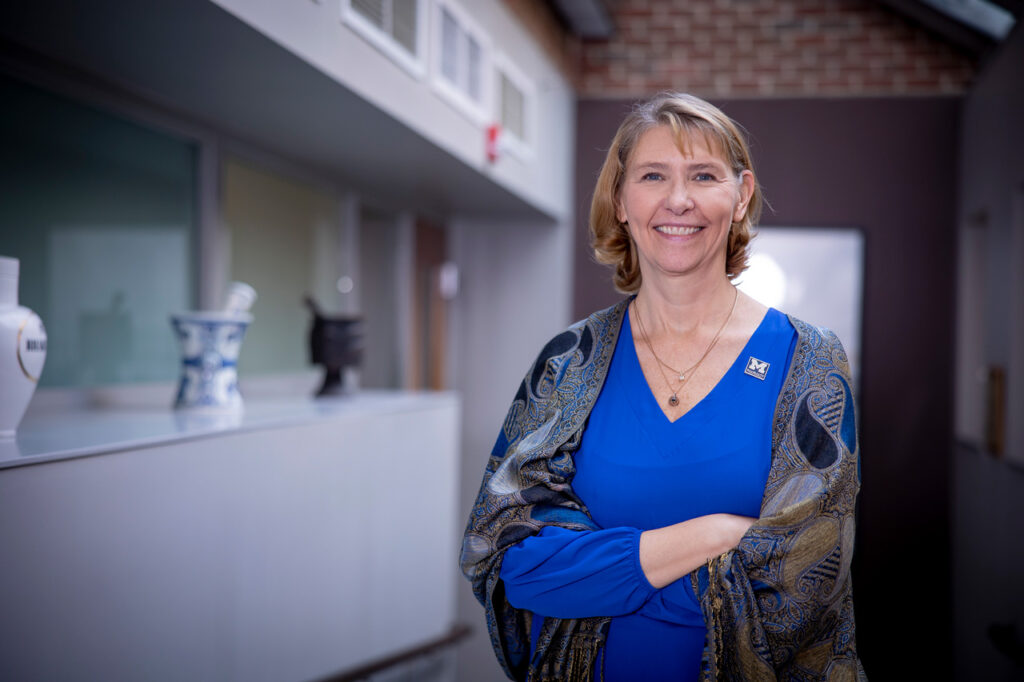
(675, 603)
(561, 573)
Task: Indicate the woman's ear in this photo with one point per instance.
(746, 194)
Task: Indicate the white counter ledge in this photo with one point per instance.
(296, 541)
(70, 432)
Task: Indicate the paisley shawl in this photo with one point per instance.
(779, 606)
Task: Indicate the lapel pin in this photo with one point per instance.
(756, 368)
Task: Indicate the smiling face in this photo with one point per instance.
(679, 205)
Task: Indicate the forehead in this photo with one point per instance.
(662, 142)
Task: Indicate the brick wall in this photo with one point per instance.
(767, 48)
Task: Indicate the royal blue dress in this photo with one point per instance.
(636, 471)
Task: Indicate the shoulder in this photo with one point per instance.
(584, 344)
(816, 405)
(565, 378)
(584, 336)
(814, 337)
(602, 322)
(818, 354)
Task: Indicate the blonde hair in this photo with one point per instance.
(686, 115)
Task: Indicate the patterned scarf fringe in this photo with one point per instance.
(713, 619)
(579, 662)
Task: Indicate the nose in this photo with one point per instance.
(678, 199)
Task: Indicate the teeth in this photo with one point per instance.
(672, 230)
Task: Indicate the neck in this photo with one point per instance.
(683, 307)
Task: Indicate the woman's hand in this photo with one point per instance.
(669, 553)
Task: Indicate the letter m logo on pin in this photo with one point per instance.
(756, 368)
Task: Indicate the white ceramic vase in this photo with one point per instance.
(22, 350)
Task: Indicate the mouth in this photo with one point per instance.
(677, 230)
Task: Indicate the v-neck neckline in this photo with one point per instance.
(645, 406)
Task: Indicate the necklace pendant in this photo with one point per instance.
(673, 401)
(682, 377)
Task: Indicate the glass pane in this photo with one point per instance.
(815, 274)
(371, 10)
(449, 47)
(101, 213)
(512, 118)
(285, 242)
(473, 69)
(404, 23)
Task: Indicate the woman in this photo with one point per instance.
(671, 496)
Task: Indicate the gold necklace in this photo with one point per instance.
(684, 377)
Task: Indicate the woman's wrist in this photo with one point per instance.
(669, 553)
(731, 529)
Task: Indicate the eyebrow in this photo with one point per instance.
(652, 165)
(706, 166)
(699, 166)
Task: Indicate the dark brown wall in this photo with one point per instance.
(888, 167)
(988, 491)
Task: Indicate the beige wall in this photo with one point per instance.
(285, 241)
